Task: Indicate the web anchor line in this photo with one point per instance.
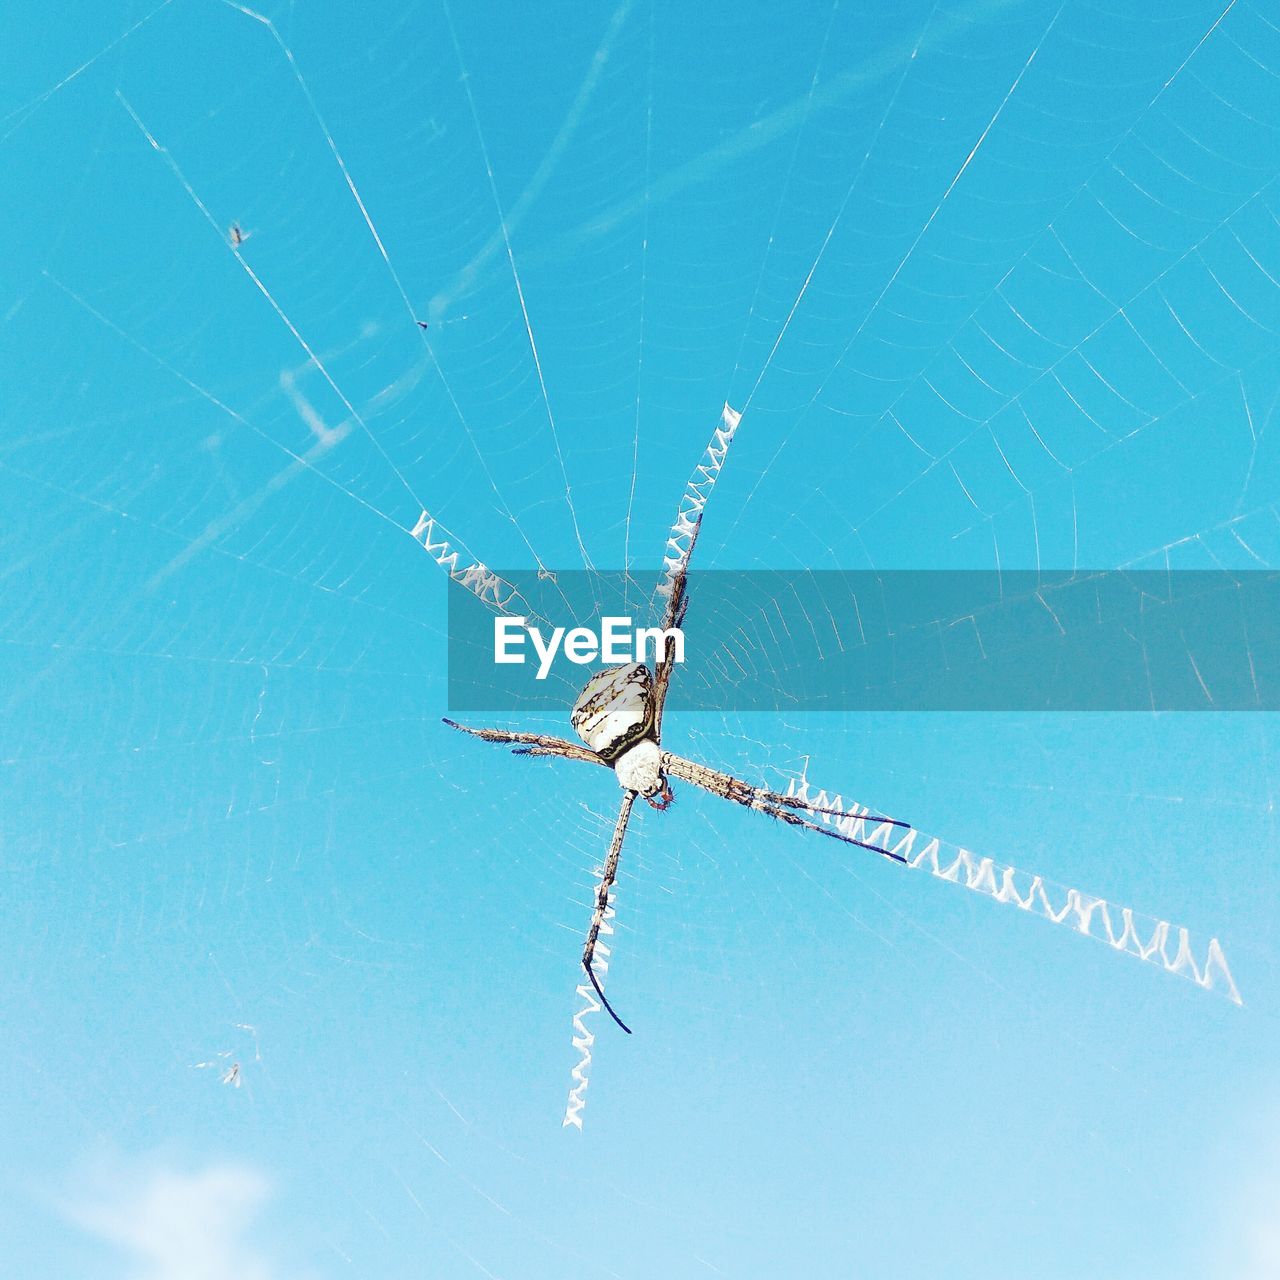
(1137, 935)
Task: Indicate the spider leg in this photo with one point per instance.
(602, 903)
(679, 550)
(795, 802)
(773, 803)
(530, 744)
(791, 818)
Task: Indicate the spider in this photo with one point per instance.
(618, 716)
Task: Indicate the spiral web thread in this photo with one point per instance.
(1093, 917)
(583, 1040)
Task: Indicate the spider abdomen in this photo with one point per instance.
(615, 710)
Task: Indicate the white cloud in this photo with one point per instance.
(1257, 1246)
(1249, 1242)
(172, 1224)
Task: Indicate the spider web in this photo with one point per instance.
(994, 285)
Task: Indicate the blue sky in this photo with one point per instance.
(996, 285)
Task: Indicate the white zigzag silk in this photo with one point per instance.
(481, 581)
(1136, 935)
(582, 1038)
(684, 533)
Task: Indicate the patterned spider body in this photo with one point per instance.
(614, 716)
(618, 715)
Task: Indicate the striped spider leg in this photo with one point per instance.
(530, 744)
(609, 875)
(774, 803)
